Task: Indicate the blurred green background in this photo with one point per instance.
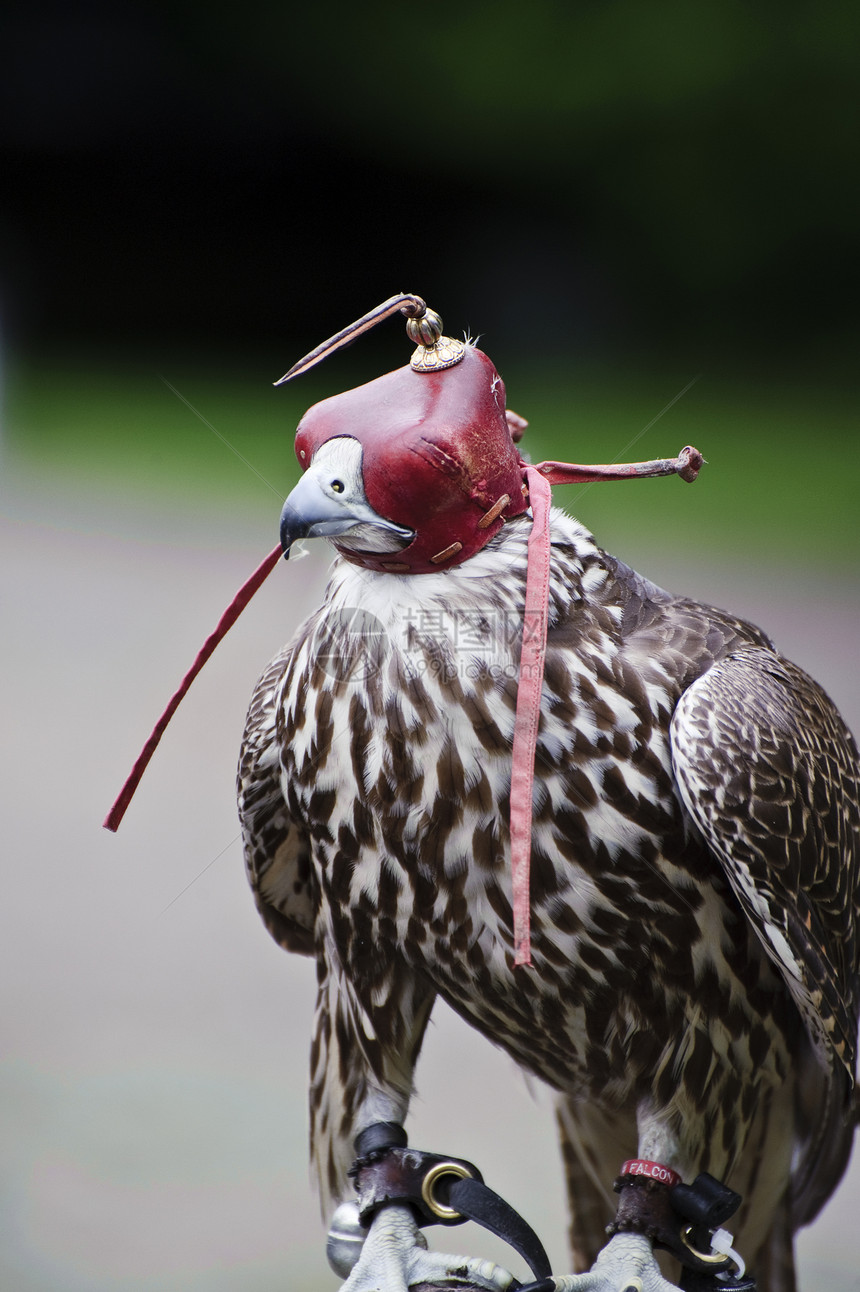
(624, 202)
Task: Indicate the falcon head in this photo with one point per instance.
(411, 473)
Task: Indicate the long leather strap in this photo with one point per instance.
(477, 1202)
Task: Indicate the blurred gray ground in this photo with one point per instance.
(154, 1038)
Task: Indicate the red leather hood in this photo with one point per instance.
(438, 458)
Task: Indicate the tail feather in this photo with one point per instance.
(592, 1149)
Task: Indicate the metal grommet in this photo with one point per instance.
(432, 1177)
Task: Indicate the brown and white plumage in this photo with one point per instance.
(694, 881)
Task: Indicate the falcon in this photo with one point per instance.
(649, 899)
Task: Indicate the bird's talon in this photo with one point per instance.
(395, 1257)
(626, 1264)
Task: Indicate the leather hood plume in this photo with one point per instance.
(438, 458)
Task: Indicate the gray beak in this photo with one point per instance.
(312, 511)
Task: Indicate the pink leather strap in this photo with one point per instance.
(225, 623)
(687, 465)
(528, 710)
(539, 478)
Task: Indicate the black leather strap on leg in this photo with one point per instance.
(440, 1190)
(379, 1136)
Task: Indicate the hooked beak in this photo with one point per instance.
(311, 511)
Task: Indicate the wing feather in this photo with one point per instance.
(277, 852)
(769, 773)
